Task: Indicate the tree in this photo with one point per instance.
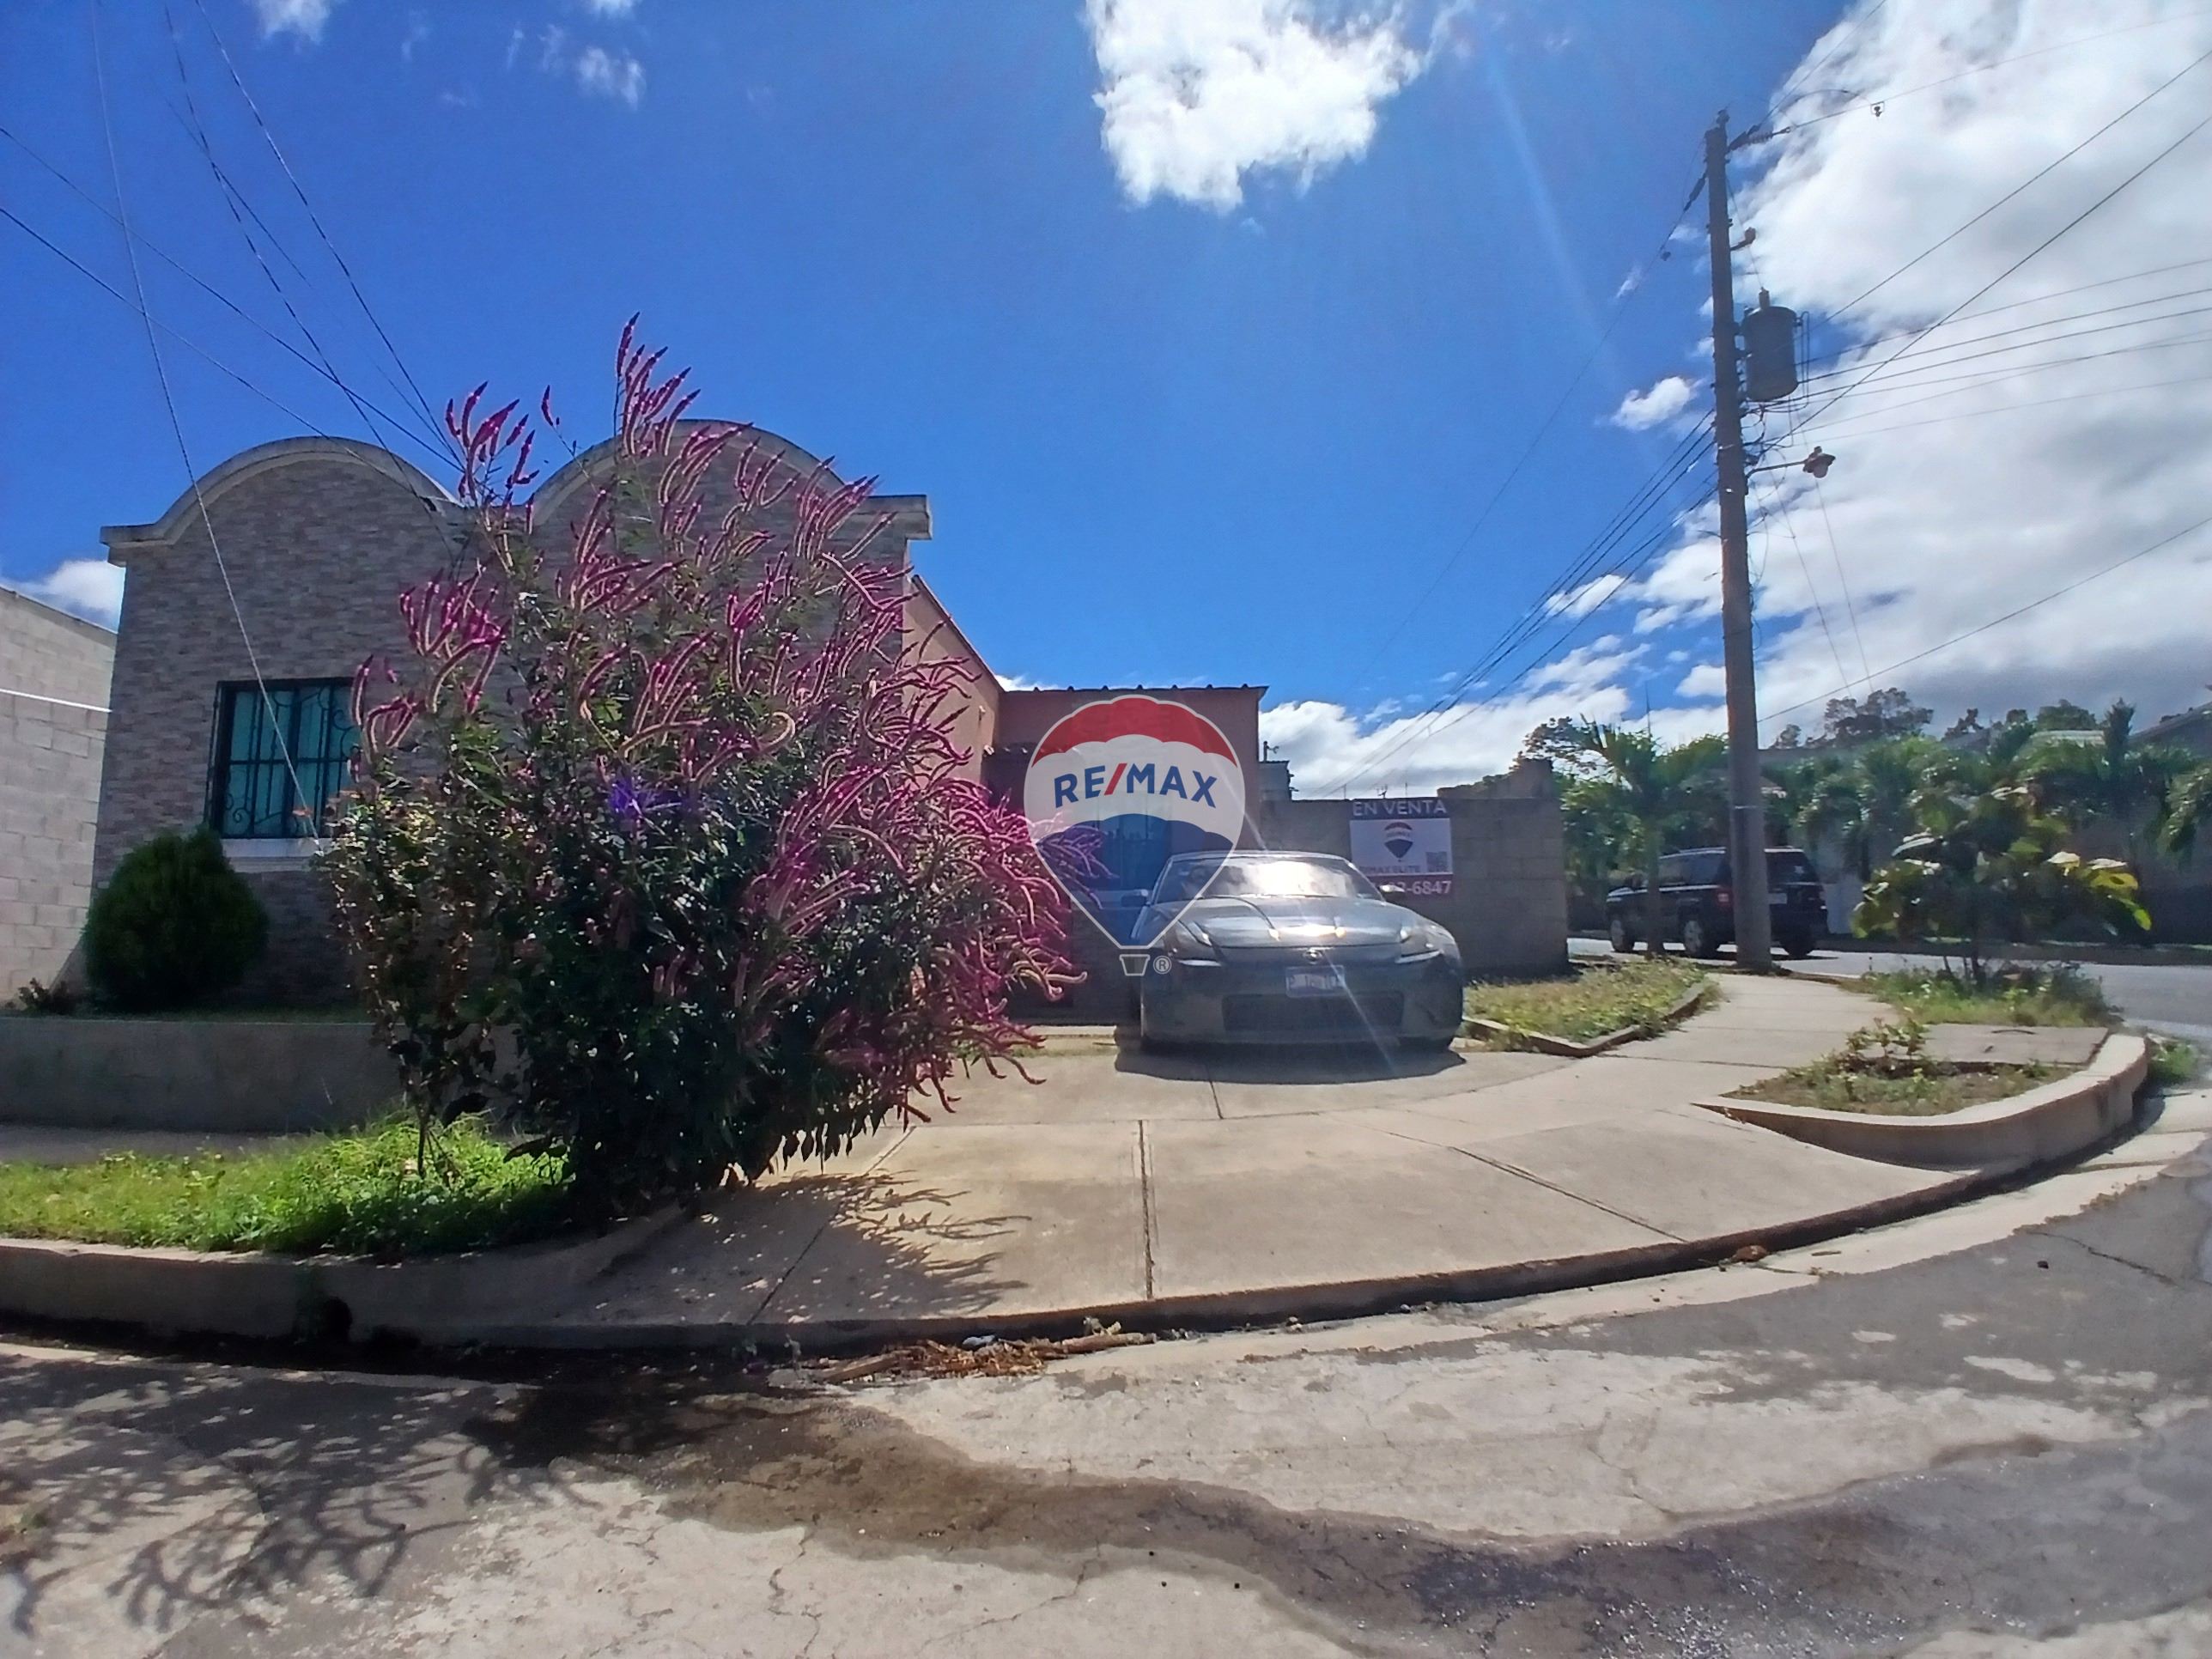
(2065, 715)
(677, 815)
(1885, 713)
(2116, 781)
(2188, 809)
(1653, 792)
(1789, 737)
(1557, 741)
(1989, 867)
(1966, 725)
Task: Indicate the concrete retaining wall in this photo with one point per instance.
(237, 1075)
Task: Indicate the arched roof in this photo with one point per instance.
(909, 514)
(221, 479)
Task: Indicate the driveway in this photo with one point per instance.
(1199, 1189)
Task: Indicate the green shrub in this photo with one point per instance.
(174, 925)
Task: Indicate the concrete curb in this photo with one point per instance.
(1544, 1042)
(2038, 1126)
(1216, 1311)
(438, 1299)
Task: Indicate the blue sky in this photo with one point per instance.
(1185, 437)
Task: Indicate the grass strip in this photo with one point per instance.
(1591, 1001)
(356, 1193)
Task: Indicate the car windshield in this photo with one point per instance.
(1259, 878)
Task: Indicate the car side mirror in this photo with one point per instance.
(1390, 889)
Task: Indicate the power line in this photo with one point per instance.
(1649, 551)
(300, 190)
(236, 201)
(169, 403)
(2023, 328)
(190, 345)
(2009, 616)
(1780, 508)
(1640, 502)
(2004, 408)
(206, 287)
(1453, 709)
(1836, 553)
(2033, 252)
(1528, 451)
(1885, 98)
(2041, 172)
(1976, 378)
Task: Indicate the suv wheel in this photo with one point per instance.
(1696, 938)
(1797, 944)
(1623, 940)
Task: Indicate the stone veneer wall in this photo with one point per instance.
(53, 723)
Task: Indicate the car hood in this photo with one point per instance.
(1236, 924)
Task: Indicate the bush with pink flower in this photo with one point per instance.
(660, 848)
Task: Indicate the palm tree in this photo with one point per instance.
(2116, 780)
(1654, 790)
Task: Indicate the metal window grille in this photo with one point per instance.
(252, 796)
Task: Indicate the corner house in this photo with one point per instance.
(319, 535)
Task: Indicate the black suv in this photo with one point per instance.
(1700, 906)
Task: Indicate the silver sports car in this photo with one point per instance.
(1295, 947)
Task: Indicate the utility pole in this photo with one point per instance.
(1747, 788)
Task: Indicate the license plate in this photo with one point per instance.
(1313, 982)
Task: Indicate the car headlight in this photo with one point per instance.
(1425, 938)
(1189, 939)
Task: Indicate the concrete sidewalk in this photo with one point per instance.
(1197, 1187)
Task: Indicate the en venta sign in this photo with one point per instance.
(1405, 843)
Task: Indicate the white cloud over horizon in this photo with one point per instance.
(1981, 473)
(1193, 98)
(88, 587)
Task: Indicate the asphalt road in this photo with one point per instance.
(1984, 1432)
(2176, 999)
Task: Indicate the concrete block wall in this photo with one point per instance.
(1508, 907)
(54, 672)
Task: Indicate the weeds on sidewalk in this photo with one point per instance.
(2017, 993)
(1886, 1068)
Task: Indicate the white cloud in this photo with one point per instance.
(602, 72)
(1195, 96)
(304, 18)
(1656, 405)
(1969, 486)
(92, 588)
(1333, 749)
(1942, 527)
(611, 8)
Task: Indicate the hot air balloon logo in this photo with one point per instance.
(1118, 788)
(1398, 836)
